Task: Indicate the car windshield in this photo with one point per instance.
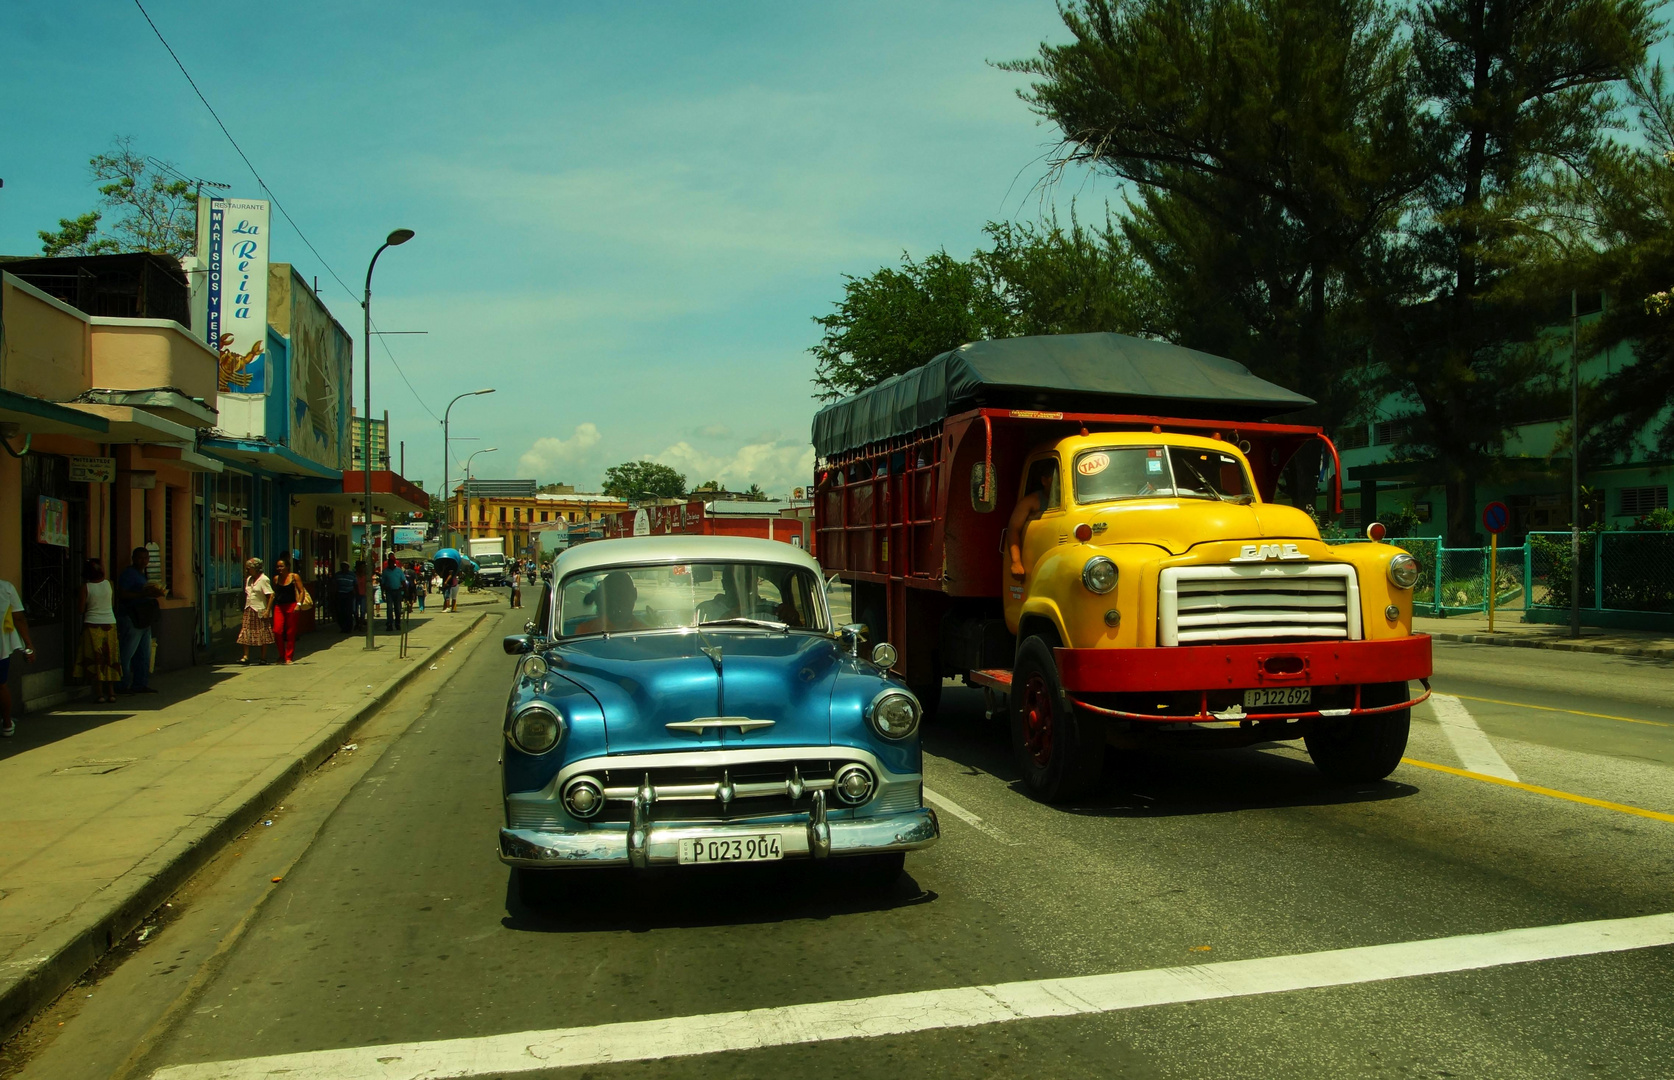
(1148, 472)
(623, 598)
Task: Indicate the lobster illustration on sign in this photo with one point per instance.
(233, 367)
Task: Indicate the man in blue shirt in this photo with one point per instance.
(136, 610)
(394, 583)
(343, 598)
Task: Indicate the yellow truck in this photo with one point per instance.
(1085, 526)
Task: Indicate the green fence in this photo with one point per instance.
(1626, 578)
(1454, 581)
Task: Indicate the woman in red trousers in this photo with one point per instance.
(288, 592)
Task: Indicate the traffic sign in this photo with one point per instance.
(1495, 517)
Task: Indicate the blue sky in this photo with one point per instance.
(627, 214)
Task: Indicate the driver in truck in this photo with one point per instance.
(1041, 494)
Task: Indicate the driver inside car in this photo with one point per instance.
(614, 598)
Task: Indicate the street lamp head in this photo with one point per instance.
(474, 393)
(399, 236)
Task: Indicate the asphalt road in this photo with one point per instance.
(394, 922)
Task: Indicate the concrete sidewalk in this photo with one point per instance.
(1509, 630)
(108, 809)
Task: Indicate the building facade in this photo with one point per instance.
(516, 510)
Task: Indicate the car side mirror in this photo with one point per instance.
(530, 627)
(982, 487)
(850, 636)
(518, 644)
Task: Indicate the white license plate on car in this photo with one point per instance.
(764, 847)
(1279, 695)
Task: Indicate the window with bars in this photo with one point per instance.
(1354, 437)
(1636, 502)
(1389, 431)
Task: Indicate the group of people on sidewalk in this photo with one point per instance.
(272, 604)
(114, 649)
(273, 607)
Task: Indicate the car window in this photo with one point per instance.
(1140, 472)
(682, 595)
(1043, 476)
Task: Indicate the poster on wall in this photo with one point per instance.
(237, 301)
(321, 353)
(52, 522)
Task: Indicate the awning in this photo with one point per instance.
(37, 416)
(391, 493)
(163, 401)
(127, 424)
(263, 456)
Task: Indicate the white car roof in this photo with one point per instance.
(651, 550)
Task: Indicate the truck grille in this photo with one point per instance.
(1203, 604)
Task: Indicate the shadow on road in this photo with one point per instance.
(588, 901)
(1154, 783)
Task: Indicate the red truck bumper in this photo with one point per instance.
(1206, 669)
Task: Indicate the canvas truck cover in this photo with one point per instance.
(1062, 373)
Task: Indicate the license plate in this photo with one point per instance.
(1279, 695)
(729, 849)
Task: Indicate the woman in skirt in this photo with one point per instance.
(99, 660)
(257, 627)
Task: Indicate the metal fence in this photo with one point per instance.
(1621, 572)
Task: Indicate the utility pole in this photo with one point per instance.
(1574, 463)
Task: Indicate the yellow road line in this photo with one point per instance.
(1572, 712)
(1655, 815)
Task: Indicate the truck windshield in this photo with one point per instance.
(624, 598)
(1149, 472)
(491, 560)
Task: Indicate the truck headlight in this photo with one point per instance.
(894, 714)
(1404, 571)
(1099, 575)
(536, 729)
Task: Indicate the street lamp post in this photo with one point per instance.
(468, 460)
(396, 238)
(447, 495)
(1574, 464)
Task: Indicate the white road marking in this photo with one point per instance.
(1475, 752)
(930, 1010)
(942, 802)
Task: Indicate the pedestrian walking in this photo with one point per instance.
(99, 659)
(136, 612)
(290, 599)
(450, 591)
(256, 625)
(517, 586)
(14, 635)
(409, 587)
(393, 582)
(343, 598)
(360, 594)
(421, 579)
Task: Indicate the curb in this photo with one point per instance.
(68, 953)
(1558, 646)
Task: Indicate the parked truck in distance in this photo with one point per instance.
(489, 553)
(1085, 526)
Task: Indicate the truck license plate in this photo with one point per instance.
(762, 848)
(1279, 695)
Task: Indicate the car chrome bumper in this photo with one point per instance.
(660, 843)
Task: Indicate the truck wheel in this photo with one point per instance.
(1059, 748)
(1364, 749)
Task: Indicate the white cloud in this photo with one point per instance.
(777, 466)
(550, 456)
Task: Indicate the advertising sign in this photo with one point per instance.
(52, 522)
(92, 470)
(237, 301)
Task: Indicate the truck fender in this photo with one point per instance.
(1037, 609)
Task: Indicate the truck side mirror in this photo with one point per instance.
(982, 487)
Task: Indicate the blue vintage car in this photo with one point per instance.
(686, 700)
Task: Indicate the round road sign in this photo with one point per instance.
(1495, 517)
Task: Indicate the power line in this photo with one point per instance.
(275, 198)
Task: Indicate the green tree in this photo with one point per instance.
(643, 479)
(77, 236)
(1270, 146)
(1521, 96)
(754, 493)
(157, 210)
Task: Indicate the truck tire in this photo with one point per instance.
(1364, 749)
(1059, 748)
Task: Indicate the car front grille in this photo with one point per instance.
(684, 793)
(1200, 605)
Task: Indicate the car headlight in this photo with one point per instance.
(536, 729)
(894, 714)
(1404, 571)
(1099, 574)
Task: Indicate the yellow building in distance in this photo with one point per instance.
(518, 511)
